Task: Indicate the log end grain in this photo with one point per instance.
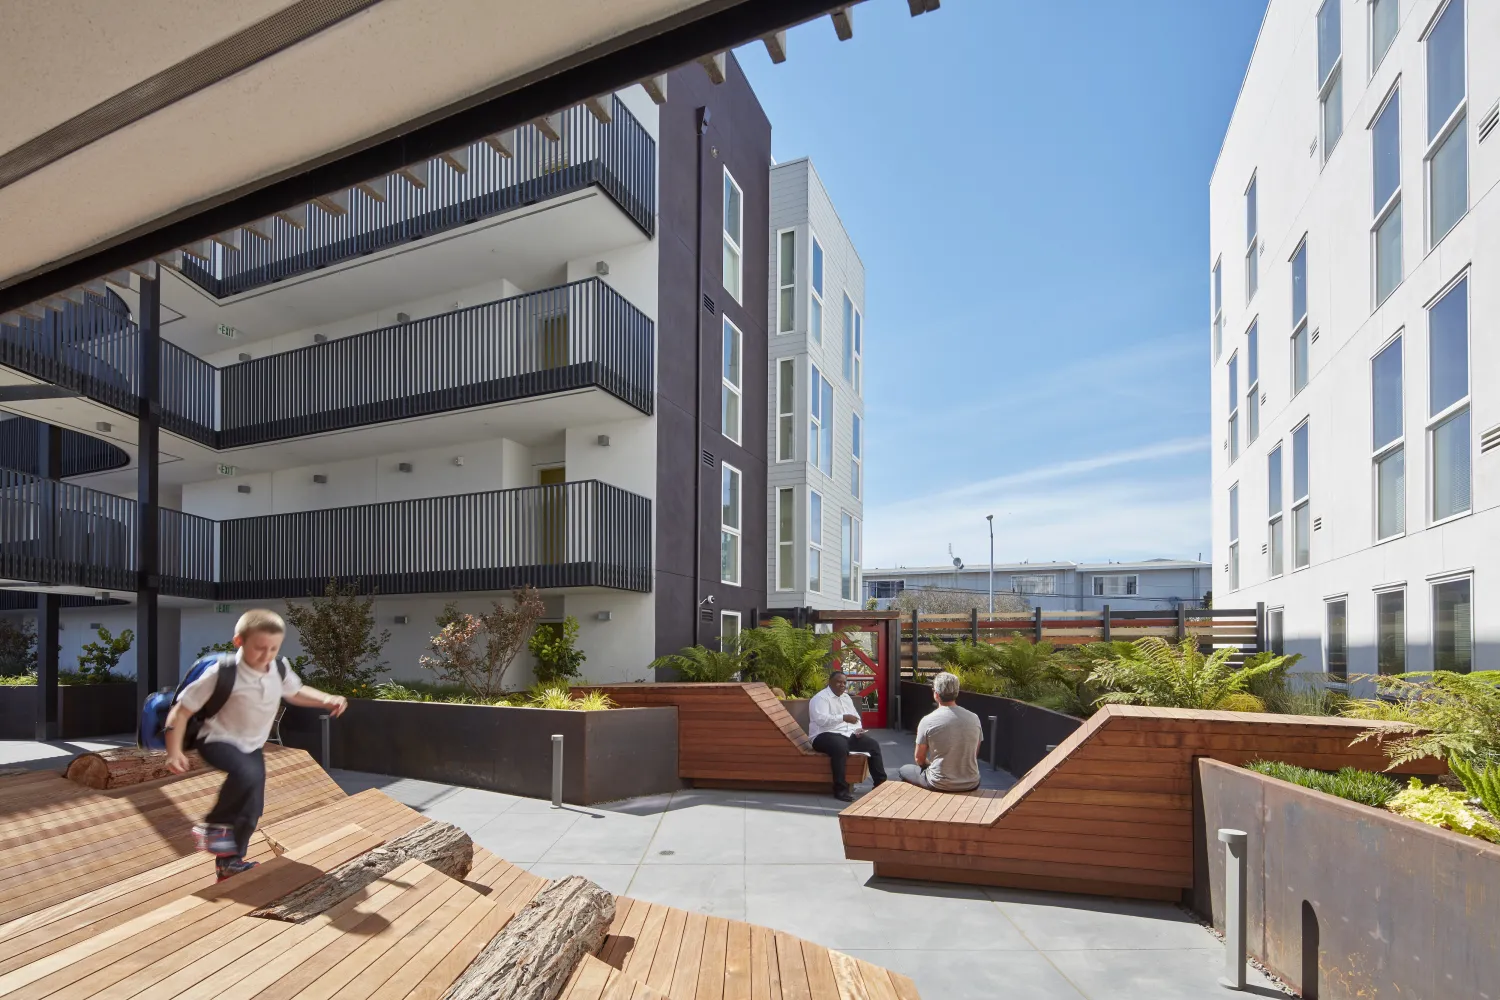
(120, 767)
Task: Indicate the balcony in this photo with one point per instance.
(576, 336)
(581, 534)
(618, 156)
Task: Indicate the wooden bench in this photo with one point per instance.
(737, 736)
(1108, 812)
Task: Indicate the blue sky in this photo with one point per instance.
(1027, 184)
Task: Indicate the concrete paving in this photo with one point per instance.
(776, 859)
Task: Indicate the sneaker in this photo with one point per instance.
(844, 796)
(230, 867)
(215, 838)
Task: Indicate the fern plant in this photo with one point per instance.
(795, 659)
(1152, 671)
(701, 664)
(1482, 783)
(1441, 714)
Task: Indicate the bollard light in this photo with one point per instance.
(326, 722)
(1234, 908)
(994, 740)
(557, 771)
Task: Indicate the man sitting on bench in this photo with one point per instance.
(834, 727)
(948, 740)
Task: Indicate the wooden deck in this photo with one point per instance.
(737, 736)
(135, 914)
(1109, 812)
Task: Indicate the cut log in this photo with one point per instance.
(123, 766)
(440, 845)
(535, 953)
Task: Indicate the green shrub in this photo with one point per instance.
(1438, 806)
(1441, 714)
(1347, 783)
(795, 659)
(703, 665)
(227, 646)
(17, 647)
(1482, 783)
(560, 698)
(97, 662)
(337, 631)
(1152, 671)
(475, 651)
(552, 645)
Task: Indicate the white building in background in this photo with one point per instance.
(1150, 585)
(1355, 258)
(815, 478)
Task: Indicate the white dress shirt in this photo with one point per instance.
(826, 711)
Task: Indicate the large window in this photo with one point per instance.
(886, 589)
(786, 546)
(849, 557)
(1252, 243)
(729, 629)
(1234, 537)
(859, 354)
(1301, 500)
(786, 270)
(1385, 141)
(1448, 400)
(815, 299)
(1234, 406)
(820, 422)
(786, 409)
(1389, 441)
(1117, 585)
(731, 405)
(1276, 562)
(729, 528)
(1034, 583)
(1447, 155)
(1276, 631)
(1218, 308)
(1384, 18)
(734, 226)
(1252, 373)
(814, 541)
(856, 454)
(1299, 318)
(1330, 75)
(1390, 632)
(1337, 638)
(1453, 625)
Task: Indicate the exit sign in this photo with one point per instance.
(227, 470)
(228, 331)
(222, 609)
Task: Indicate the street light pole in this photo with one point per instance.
(991, 518)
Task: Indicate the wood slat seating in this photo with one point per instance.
(737, 736)
(1108, 812)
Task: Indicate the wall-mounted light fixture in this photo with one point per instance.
(605, 616)
(458, 460)
(601, 268)
(244, 357)
(243, 487)
(401, 619)
(403, 317)
(104, 426)
(319, 338)
(404, 467)
(604, 440)
(319, 478)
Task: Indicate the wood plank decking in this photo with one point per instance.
(1109, 812)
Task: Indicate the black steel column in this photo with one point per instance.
(49, 468)
(148, 435)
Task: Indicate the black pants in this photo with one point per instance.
(243, 796)
(838, 748)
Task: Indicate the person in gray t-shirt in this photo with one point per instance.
(947, 743)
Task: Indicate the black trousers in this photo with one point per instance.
(243, 796)
(838, 748)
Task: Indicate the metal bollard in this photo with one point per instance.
(994, 740)
(326, 722)
(557, 766)
(1234, 908)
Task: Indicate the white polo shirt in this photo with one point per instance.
(246, 718)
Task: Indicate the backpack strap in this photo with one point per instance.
(282, 666)
(223, 687)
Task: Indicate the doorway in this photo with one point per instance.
(553, 511)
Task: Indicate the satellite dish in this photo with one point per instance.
(958, 563)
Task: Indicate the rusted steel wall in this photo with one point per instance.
(1346, 901)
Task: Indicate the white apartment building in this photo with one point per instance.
(1355, 262)
(815, 478)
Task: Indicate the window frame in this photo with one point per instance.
(1301, 502)
(1276, 515)
(1252, 239)
(786, 324)
(1333, 81)
(1252, 375)
(1456, 122)
(726, 530)
(1399, 591)
(728, 390)
(815, 282)
(820, 420)
(1381, 452)
(1340, 676)
(1375, 59)
(786, 396)
(1133, 589)
(724, 618)
(1393, 203)
(732, 244)
(1234, 537)
(1300, 332)
(814, 541)
(1276, 630)
(1216, 299)
(1232, 370)
(786, 548)
(1454, 409)
(846, 556)
(856, 454)
(1433, 585)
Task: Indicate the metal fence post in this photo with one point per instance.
(1234, 908)
(994, 740)
(1105, 619)
(1181, 623)
(326, 722)
(916, 629)
(1260, 626)
(1038, 627)
(974, 626)
(557, 771)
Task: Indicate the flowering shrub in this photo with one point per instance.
(475, 651)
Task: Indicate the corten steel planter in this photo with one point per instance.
(608, 755)
(1026, 730)
(83, 710)
(1349, 901)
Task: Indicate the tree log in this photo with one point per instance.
(535, 953)
(122, 766)
(441, 845)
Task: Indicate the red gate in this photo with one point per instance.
(867, 641)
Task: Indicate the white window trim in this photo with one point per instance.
(856, 454)
(725, 617)
(728, 389)
(1276, 519)
(1252, 394)
(1300, 324)
(814, 248)
(859, 352)
(1433, 582)
(1326, 85)
(788, 493)
(1391, 204)
(1328, 602)
(1398, 443)
(786, 328)
(1216, 304)
(847, 553)
(1454, 408)
(815, 545)
(814, 416)
(1377, 593)
(1252, 242)
(1456, 118)
(1233, 421)
(1302, 500)
(726, 529)
(736, 245)
(783, 365)
(1234, 537)
(1371, 59)
(1098, 584)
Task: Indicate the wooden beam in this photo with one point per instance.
(457, 159)
(503, 143)
(374, 188)
(549, 125)
(601, 107)
(120, 279)
(230, 239)
(296, 216)
(335, 203)
(202, 249)
(146, 269)
(656, 88)
(75, 296)
(172, 259)
(416, 174)
(265, 228)
(843, 23)
(776, 46)
(716, 66)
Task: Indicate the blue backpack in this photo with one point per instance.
(152, 733)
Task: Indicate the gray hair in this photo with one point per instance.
(946, 686)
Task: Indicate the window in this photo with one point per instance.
(1234, 537)
(729, 629)
(1218, 308)
(1301, 496)
(814, 541)
(1330, 75)
(1034, 583)
(1234, 407)
(786, 551)
(815, 301)
(849, 559)
(820, 422)
(1385, 136)
(1276, 631)
(729, 528)
(1447, 155)
(1390, 463)
(859, 353)
(1453, 625)
(734, 222)
(1384, 18)
(786, 409)
(1448, 405)
(1252, 274)
(1299, 318)
(1119, 585)
(1390, 631)
(856, 453)
(786, 270)
(1274, 529)
(730, 403)
(886, 589)
(1337, 615)
(1252, 395)
(848, 340)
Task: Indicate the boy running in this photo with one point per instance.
(232, 739)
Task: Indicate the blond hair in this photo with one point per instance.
(259, 620)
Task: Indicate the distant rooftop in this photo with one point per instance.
(1040, 567)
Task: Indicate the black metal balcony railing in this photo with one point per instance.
(582, 534)
(89, 348)
(620, 157)
(82, 454)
